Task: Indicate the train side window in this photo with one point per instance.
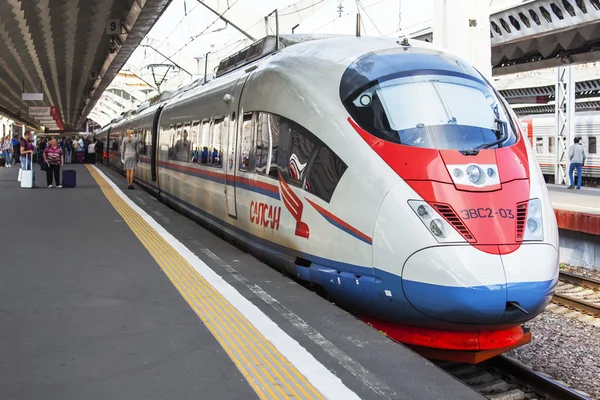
(299, 144)
(183, 148)
(245, 153)
(148, 142)
(592, 145)
(262, 143)
(216, 151)
(274, 122)
(551, 145)
(539, 145)
(325, 173)
(140, 135)
(205, 142)
(174, 140)
(195, 139)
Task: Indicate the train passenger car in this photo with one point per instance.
(392, 175)
(541, 130)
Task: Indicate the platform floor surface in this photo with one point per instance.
(584, 200)
(86, 312)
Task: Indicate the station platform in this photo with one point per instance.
(576, 209)
(108, 293)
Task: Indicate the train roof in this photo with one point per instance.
(315, 46)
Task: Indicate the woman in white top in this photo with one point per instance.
(129, 156)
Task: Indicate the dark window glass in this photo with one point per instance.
(142, 137)
(325, 173)
(180, 146)
(283, 145)
(551, 145)
(202, 145)
(217, 145)
(174, 140)
(262, 143)
(196, 141)
(245, 153)
(299, 145)
(274, 122)
(592, 145)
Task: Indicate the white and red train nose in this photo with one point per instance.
(447, 278)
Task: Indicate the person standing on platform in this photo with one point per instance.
(577, 158)
(68, 150)
(53, 156)
(7, 145)
(16, 149)
(129, 157)
(26, 152)
(92, 152)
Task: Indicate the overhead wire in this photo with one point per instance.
(206, 29)
(302, 9)
(346, 14)
(179, 24)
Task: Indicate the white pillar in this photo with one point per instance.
(565, 114)
(463, 28)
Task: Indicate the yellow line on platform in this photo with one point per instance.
(267, 371)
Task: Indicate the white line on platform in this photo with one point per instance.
(317, 374)
(352, 366)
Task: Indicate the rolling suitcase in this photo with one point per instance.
(27, 176)
(79, 157)
(69, 178)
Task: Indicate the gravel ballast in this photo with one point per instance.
(565, 349)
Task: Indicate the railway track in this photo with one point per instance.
(503, 378)
(578, 293)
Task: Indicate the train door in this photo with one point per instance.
(233, 126)
(154, 154)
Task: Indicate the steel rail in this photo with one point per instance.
(573, 302)
(540, 383)
(579, 280)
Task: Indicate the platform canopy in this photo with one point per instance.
(58, 56)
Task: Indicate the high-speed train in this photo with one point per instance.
(389, 173)
(541, 130)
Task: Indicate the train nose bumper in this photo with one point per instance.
(462, 284)
(459, 284)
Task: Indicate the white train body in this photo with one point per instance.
(347, 209)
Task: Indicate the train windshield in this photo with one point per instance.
(434, 111)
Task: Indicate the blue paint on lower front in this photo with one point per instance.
(478, 304)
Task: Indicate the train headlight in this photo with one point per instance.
(534, 227)
(437, 228)
(435, 223)
(475, 174)
(422, 211)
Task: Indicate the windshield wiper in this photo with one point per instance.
(502, 131)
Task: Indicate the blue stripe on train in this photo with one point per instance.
(202, 174)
